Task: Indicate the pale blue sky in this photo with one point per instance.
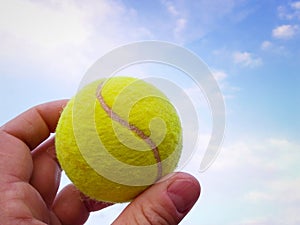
(253, 49)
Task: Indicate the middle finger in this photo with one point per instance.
(46, 171)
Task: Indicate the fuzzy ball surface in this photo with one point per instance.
(117, 137)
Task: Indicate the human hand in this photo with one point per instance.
(30, 177)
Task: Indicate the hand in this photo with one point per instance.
(30, 176)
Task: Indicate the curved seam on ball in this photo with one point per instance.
(114, 116)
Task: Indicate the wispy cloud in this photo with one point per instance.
(258, 196)
(178, 17)
(272, 192)
(259, 221)
(219, 75)
(285, 31)
(171, 8)
(266, 45)
(295, 5)
(275, 154)
(289, 11)
(267, 171)
(283, 192)
(46, 26)
(194, 19)
(274, 47)
(75, 34)
(246, 59)
(64, 38)
(228, 90)
(180, 26)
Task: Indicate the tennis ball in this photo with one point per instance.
(117, 137)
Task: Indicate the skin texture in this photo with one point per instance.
(30, 176)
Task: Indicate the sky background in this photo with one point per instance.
(252, 48)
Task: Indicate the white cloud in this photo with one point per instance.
(273, 47)
(285, 31)
(290, 11)
(281, 143)
(171, 8)
(273, 192)
(64, 38)
(246, 59)
(191, 20)
(283, 13)
(265, 176)
(43, 25)
(295, 5)
(75, 33)
(178, 17)
(270, 155)
(180, 25)
(228, 91)
(219, 75)
(266, 45)
(282, 192)
(255, 196)
(258, 221)
(61, 40)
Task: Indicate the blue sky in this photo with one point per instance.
(252, 48)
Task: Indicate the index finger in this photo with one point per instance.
(21, 135)
(35, 125)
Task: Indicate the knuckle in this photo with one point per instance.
(152, 215)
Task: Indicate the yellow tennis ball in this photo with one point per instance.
(117, 137)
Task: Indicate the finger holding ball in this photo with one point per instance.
(118, 136)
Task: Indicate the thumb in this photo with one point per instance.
(166, 202)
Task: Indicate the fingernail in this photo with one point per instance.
(184, 194)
